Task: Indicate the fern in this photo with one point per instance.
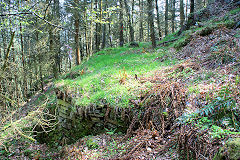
(222, 111)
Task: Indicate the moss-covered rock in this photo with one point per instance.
(230, 151)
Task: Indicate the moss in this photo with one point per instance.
(206, 31)
(182, 42)
(234, 148)
(229, 24)
(230, 150)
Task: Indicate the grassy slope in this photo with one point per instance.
(106, 70)
(103, 73)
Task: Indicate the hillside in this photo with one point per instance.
(178, 101)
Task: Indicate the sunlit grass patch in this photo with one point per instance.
(112, 76)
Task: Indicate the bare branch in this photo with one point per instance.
(14, 14)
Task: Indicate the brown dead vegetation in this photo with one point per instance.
(219, 48)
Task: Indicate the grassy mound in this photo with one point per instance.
(112, 76)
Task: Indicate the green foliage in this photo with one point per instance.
(220, 116)
(110, 131)
(223, 109)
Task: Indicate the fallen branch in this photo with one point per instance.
(14, 14)
(164, 43)
(8, 51)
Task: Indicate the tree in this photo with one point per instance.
(104, 29)
(158, 20)
(173, 15)
(190, 20)
(166, 18)
(131, 30)
(76, 24)
(151, 23)
(191, 16)
(121, 40)
(182, 18)
(141, 20)
(98, 9)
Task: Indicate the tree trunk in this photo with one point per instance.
(186, 9)
(166, 18)
(23, 63)
(131, 30)
(76, 24)
(190, 20)
(56, 39)
(121, 24)
(158, 20)
(151, 23)
(98, 25)
(104, 30)
(141, 21)
(173, 15)
(182, 18)
(191, 16)
(133, 4)
(57, 36)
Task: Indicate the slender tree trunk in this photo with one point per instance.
(98, 25)
(190, 20)
(76, 24)
(23, 64)
(158, 20)
(141, 21)
(91, 34)
(51, 48)
(8, 52)
(191, 16)
(173, 15)
(57, 37)
(104, 29)
(133, 4)
(86, 30)
(131, 30)
(104, 36)
(109, 31)
(182, 18)
(121, 24)
(166, 18)
(186, 9)
(151, 23)
(40, 60)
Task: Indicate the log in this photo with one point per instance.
(164, 43)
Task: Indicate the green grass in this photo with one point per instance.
(235, 11)
(100, 83)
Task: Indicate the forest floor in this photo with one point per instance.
(194, 81)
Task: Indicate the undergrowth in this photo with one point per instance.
(220, 115)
